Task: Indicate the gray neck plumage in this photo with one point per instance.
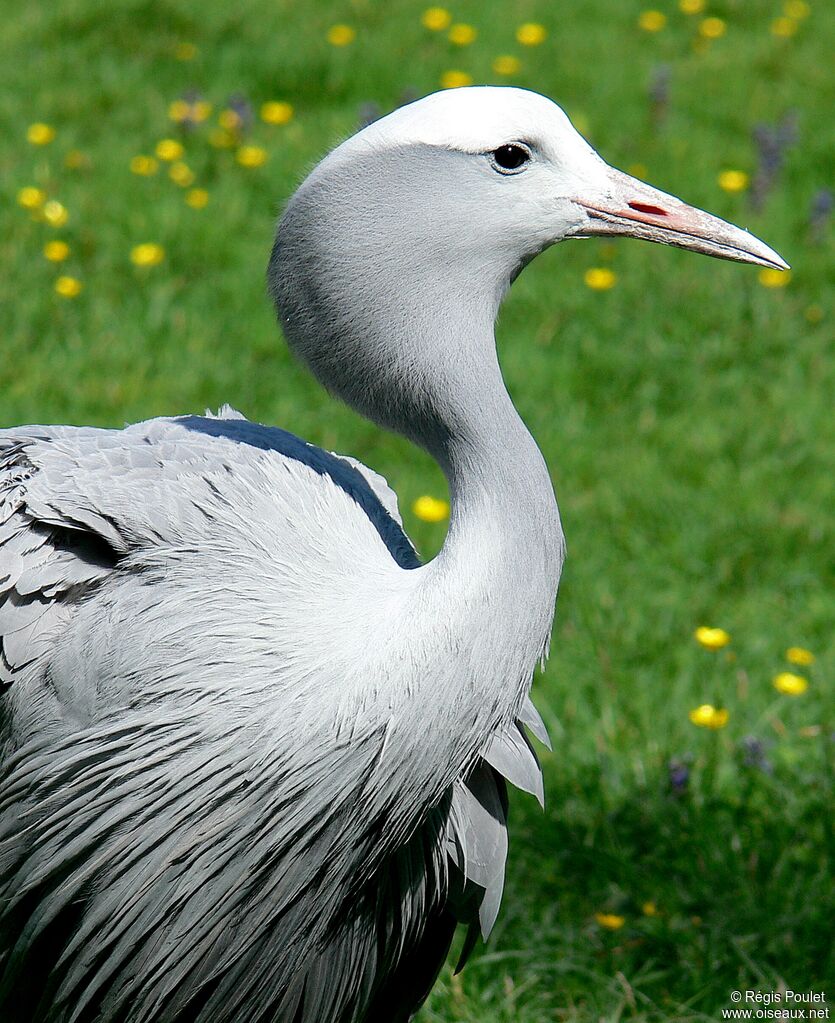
(394, 313)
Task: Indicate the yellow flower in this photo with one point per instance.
(144, 165)
(276, 112)
(221, 139)
(711, 639)
(185, 51)
(68, 287)
(708, 716)
(31, 198)
(169, 149)
(229, 119)
(197, 198)
(56, 251)
(797, 9)
(611, 921)
(712, 28)
(652, 21)
(733, 180)
(691, 6)
(40, 134)
(774, 278)
(600, 278)
(179, 110)
(436, 18)
(147, 254)
(790, 684)
(430, 509)
(649, 909)
(800, 655)
(251, 156)
(531, 34)
(55, 213)
(341, 35)
(783, 27)
(506, 65)
(181, 174)
(462, 35)
(455, 80)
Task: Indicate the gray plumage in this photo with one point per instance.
(148, 570)
(255, 753)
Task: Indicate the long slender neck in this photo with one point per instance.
(497, 476)
(395, 313)
(503, 553)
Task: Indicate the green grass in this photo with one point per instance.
(686, 415)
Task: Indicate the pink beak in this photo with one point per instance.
(637, 210)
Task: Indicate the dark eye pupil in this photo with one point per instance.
(510, 157)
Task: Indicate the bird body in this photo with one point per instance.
(215, 580)
(255, 752)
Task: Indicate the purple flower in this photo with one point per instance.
(659, 93)
(820, 213)
(754, 754)
(678, 776)
(243, 108)
(772, 142)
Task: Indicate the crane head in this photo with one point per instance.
(392, 258)
(550, 182)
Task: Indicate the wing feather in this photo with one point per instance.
(154, 847)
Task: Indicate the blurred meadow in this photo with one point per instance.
(685, 407)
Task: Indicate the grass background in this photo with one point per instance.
(686, 415)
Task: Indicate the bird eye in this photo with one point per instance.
(511, 157)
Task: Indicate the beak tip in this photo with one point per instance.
(774, 261)
(757, 251)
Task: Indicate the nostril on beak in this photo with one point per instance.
(642, 207)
